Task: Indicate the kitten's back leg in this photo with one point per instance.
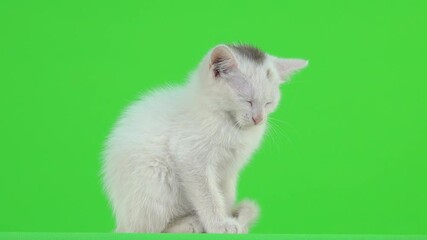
(150, 199)
(187, 224)
(148, 217)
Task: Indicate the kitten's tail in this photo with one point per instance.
(246, 213)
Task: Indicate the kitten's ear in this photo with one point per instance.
(288, 66)
(222, 61)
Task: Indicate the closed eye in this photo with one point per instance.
(250, 103)
(268, 103)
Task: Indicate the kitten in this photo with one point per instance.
(173, 159)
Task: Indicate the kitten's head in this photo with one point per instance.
(245, 81)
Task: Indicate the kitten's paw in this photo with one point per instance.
(246, 212)
(197, 227)
(229, 225)
(188, 224)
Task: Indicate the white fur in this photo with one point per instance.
(172, 161)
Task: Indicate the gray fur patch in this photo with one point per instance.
(249, 52)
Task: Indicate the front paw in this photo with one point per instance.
(246, 212)
(229, 225)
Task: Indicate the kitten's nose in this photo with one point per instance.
(257, 119)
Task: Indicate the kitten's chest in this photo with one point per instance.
(240, 144)
(216, 143)
(245, 139)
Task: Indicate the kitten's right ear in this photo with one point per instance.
(288, 66)
(222, 61)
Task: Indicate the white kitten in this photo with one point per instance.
(173, 159)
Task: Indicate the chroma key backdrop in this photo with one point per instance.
(345, 154)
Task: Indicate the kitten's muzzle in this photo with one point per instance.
(257, 119)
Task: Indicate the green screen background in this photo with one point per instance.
(347, 155)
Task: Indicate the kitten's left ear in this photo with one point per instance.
(288, 66)
(222, 61)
